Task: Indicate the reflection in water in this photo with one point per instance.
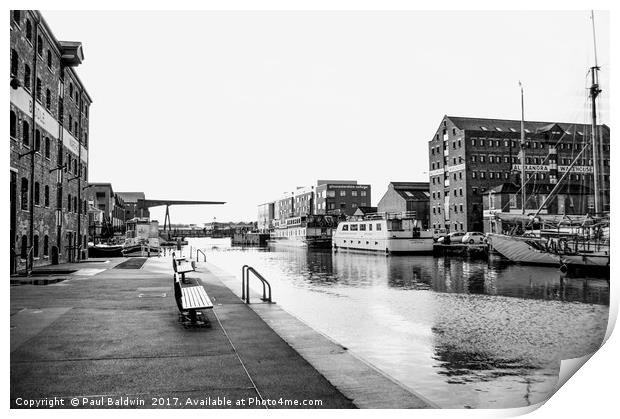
(460, 332)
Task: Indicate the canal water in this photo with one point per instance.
(461, 332)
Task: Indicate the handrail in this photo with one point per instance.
(245, 284)
(203, 254)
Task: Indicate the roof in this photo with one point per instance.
(335, 182)
(510, 125)
(366, 210)
(413, 186)
(131, 196)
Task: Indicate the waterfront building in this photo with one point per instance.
(407, 197)
(469, 156)
(112, 205)
(361, 212)
(49, 135)
(340, 197)
(132, 209)
(266, 213)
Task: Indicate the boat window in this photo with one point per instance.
(378, 227)
(362, 227)
(353, 227)
(369, 227)
(345, 227)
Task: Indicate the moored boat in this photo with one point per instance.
(313, 231)
(142, 237)
(384, 232)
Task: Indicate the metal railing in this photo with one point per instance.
(245, 284)
(203, 254)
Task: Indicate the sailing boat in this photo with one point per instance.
(581, 242)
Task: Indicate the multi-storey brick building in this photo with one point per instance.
(49, 145)
(468, 156)
(340, 197)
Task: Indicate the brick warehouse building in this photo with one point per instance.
(49, 157)
(468, 156)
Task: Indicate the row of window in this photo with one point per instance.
(457, 226)
(360, 227)
(457, 209)
(72, 201)
(46, 245)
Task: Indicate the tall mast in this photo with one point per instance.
(596, 154)
(522, 152)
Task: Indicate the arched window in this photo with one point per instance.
(37, 192)
(28, 30)
(46, 245)
(38, 89)
(35, 245)
(75, 128)
(37, 140)
(75, 168)
(48, 99)
(14, 62)
(71, 90)
(46, 196)
(13, 124)
(70, 121)
(24, 247)
(48, 148)
(27, 76)
(24, 194)
(17, 16)
(49, 58)
(40, 46)
(26, 133)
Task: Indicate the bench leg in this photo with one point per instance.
(192, 316)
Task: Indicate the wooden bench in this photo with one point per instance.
(190, 300)
(181, 266)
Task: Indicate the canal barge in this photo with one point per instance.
(384, 232)
(141, 237)
(312, 231)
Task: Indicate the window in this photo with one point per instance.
(37, 140)
(481, 159)
(46, 245)
(69, 203)
(29, 31)
(46, 196)
(353, 193)
(24, 247)
(474, 157)
(17, 16)
(460, 191)
(353, 227)
(473, 175)
(473, 141)
(343, 193)
(37, 190)
(491, 175)
(483, 128)
(362, 193)
(75, 128)
(26, 76)
(481, 142)
(38, 89)
(40, 46)
(14, 62)
(48, 99)
(474, 191)
(47, 148)
(76, 208)
(433, 210)
(482, 175)
(13, 125)
(362, 227)
(49, 59)
(461, 207)
(26, 133)
(71, 90)
(345, 227)
(35, 250)
(455, 192)
(378, 227)
(24, 194)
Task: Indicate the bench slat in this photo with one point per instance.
(195, 297)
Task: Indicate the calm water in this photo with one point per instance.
(463, 333)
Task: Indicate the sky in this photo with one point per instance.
(244, 106)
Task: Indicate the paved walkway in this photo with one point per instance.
(111, 337)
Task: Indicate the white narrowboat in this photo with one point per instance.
(313, 231)
(141, 237)
(384, 232)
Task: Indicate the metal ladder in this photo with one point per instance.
(245, 284)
